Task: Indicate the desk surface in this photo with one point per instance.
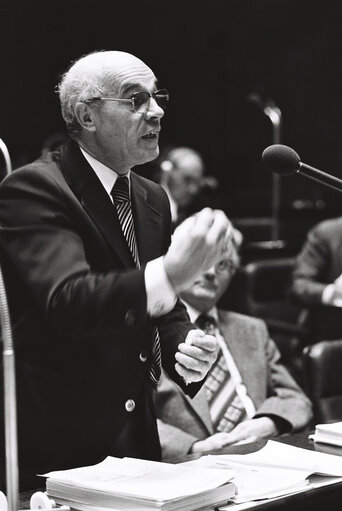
(321, 498)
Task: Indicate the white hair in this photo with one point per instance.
(89, 77)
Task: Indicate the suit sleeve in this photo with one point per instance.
(285, 399)
(173, 328)
(43, 248)
(174, 441)
(310, 269)
(176, 427)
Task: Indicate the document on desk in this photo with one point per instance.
(258, 483)
(328, 434)
(275, 470)
(133, 484)
(278, 455)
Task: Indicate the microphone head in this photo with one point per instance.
(281, 159)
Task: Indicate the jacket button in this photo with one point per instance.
(143, 356)
(130, 405)
(130, 317)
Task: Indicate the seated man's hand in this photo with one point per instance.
(251, 430)
(196, 355)
(197, 244)
(216, 441)
(247, 431)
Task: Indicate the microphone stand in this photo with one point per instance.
(11, 444)
(275, 116)
(39, 500)
(4, 150)
(271, 111)
(10, 408)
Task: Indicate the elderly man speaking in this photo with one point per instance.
(93, 278)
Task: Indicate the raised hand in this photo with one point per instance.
(197, 244)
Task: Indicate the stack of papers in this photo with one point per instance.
(130, 484)
(328, 433)
(275, 470)
(141, 485)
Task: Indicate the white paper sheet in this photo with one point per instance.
(278, 455)
(275, 470)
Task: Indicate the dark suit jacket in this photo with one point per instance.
(78, 308)
(318, 264)
(182, 421)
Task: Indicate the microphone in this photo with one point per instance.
(283, 160)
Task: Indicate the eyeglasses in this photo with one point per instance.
(140, 101)
(226, 266)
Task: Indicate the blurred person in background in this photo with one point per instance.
(54, 142)
(182, 175)
(317, 280)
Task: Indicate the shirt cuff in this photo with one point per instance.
(327, 294)
(161, 297)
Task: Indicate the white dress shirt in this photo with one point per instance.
(328, 297)
(161, 296)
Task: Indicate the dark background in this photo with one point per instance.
(210, 55)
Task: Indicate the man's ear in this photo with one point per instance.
(85, 116)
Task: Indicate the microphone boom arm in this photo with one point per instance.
(320, 177)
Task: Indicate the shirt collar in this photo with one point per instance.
(106, 175)
(173, 204)
(194, 313)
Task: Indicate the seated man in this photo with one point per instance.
(248, 393)
(317, 279)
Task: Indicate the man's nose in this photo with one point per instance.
(210, 274)
(154, 110)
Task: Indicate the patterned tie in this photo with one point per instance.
(226, 407)
(120, 194)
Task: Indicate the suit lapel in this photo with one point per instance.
(199, 406)
(147, 220)
(94, 199)
(241, 343)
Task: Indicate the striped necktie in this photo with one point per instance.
(121, 197)
(226, 407)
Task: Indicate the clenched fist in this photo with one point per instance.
(196, 355)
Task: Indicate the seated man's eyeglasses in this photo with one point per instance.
(140, 100)
(226, 266)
